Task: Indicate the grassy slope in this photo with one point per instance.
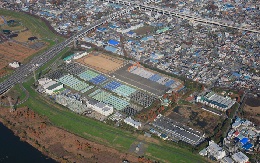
(36, 26)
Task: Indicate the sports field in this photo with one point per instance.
(11, 51)
(102, 63)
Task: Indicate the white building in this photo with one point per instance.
(132, 122)
(79, 55)
(240, 157)
(216, 101)
(215, 150)
(103, 109)
(43, 81)
(14, 64)
(227, 160)
(46, 85)
(50, 85)
(57, 86)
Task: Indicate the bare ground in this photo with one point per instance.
(101, 62)
(11, 51)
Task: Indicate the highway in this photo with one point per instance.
(21, 73)
(169, 12)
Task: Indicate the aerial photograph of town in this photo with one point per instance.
(130, 81)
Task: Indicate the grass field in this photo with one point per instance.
(23, 36)
(36, 26)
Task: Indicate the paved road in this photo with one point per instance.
(38, 61)
(169, 12)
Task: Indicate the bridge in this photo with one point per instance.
(21, 73)
(169, 12)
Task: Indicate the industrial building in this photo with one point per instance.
(216, 101)
(215, 150)
(176, 131)
(240, 157)
(49, 86)
(133, 123)
(103, 109)
(55, 87)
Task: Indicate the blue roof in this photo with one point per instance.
(247, 146)
(236, 74)
(113, 26)
(163, 136)
(236, 139)
(146, 38)
(68, 57)
(113, 42)
(130, 32)
(101, 29)
(244, 140)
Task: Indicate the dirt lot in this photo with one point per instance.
(194, 117)
(37, 131)
(101, 62)
(252, 110)
(23, 36)
(144, 30)
(10, 51)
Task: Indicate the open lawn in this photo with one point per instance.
(36, 26)
(169, 154)
(17, 28)
(101, 62)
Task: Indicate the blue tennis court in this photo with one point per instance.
(99, 79)
(112, 85)
(169, 83)
(155, 77)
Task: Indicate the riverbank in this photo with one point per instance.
(13, 150)
(57, 143)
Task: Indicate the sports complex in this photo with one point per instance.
(113, 81)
